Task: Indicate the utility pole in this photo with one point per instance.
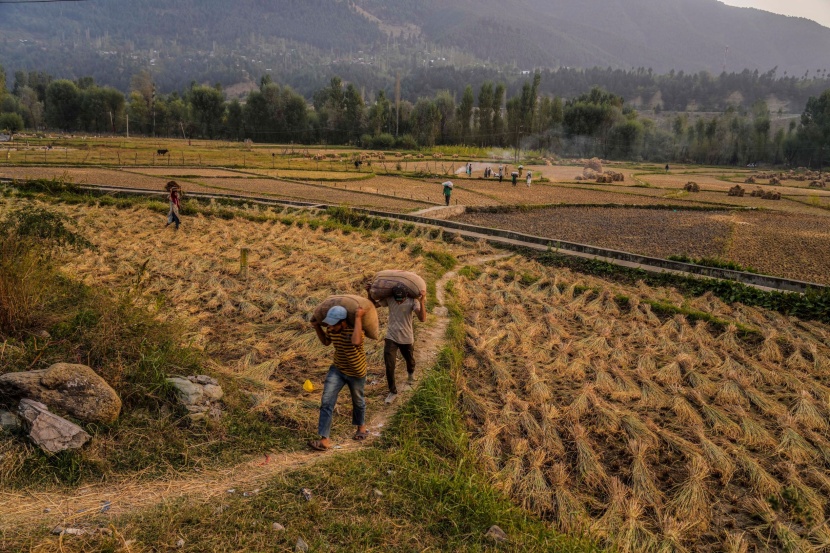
(153, 106)
(128, 125)
(518, 140)
(397, 103)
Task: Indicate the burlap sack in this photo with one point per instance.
(371, 327)
(384, 281)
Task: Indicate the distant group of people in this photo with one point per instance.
(350, 367)
(489, 173)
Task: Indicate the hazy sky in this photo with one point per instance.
(817, 10)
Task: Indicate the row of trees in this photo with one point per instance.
(594, 123)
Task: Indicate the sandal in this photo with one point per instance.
(317, 445)
(360, 436)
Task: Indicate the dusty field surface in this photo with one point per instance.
(85, 176)
(182, 172)
(645, 231)
(543, 194)
(315, 193)
(311, 175)
(781, 244)
(713, 183)
(789, 245)
(649, 433)
(425, 191)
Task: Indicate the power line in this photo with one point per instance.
(36, 1)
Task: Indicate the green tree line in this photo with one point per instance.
(596, 123)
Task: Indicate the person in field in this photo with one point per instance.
(400, 334)
(529, 177)
(447, 192)
(175, 206)
(348, 369)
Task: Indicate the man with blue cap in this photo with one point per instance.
(348, 369)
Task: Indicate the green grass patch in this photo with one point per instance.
(713, 262)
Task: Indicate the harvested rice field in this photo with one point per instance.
(182, 172)
(646, 432)
(108, 177)
(310, 192)
(311, 175)
(790, 246)
(254, 328)
(786, 245)
(653, 232)
(430, 192)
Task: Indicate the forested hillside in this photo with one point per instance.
(305, 42)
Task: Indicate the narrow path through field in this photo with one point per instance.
(21, 511)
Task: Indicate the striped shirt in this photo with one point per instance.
(349, 358)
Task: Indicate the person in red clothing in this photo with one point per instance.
(175, 205)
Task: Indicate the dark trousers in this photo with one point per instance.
(390, 358)
(447, 199)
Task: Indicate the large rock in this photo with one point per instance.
(199, 394)
(74, 389)
(50, 432)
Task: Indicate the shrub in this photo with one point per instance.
(384, 141)
(11, 122)
(406, 142)
(32, 238)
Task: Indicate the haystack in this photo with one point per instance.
(736, 190)
(691, 187)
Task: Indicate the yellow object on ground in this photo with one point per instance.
(308, 386)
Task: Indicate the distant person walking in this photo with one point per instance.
(501, 173)
(667, 168)
(349, 369)
(400, 335)
(447, 192)
(175, 204)
(529, 178)
(515, 176)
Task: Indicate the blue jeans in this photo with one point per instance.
(335, 380)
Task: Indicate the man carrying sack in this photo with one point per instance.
(400, 335)
(349, 369)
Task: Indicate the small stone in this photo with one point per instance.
(47, 510)
(390, 472)
(43, 335)
(74, 531)
(50, 432)
(301, 546)
(232, 490)
(213, 392)
(9, 421)
(306, 494)
(441, 311)
(206, 380)
(496, 534)
(377, 493)
(277, 527)
(180, 543)
(57, 530)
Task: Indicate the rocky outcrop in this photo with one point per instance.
(48, 431)
(199, 394)
(72, 389)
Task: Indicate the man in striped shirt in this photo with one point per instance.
(349, 369)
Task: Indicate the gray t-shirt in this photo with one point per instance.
(399, 329)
